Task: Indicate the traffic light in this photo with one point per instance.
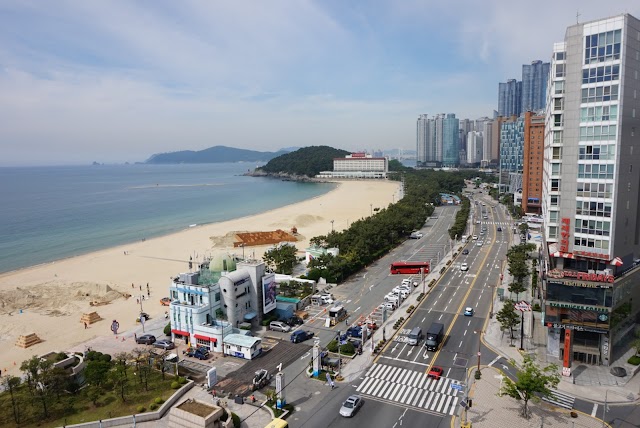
(470, 402)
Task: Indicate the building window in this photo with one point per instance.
(553, 216)
(557, 120)
(592, 227)
(553, 232)
(593, 208)
(602, 47)
(559, 87)
(598, 114)
(555, 199)
(595, 171)
(558, 104)
(217, 296)
(557, 137)
(605, 73)
(555, 185)
(559, 70)
(596, 152)
(598, 132)
(599, 94)
(559, 56)
(556, 168)
(594, 190)
(602, 244)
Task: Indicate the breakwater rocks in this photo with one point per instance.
(283, 176)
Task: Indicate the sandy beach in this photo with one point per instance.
(49, 299)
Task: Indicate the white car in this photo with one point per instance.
(479, 244)
(464, 267)
(406, 281)
(390, 306)
(474, 237)
(391, 297)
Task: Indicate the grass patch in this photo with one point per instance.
(635, 360)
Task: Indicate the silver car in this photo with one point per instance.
(351, 406)
(279, 326)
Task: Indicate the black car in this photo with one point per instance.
(294, 321)
(147, 339)
(465, 251)
(499, 229)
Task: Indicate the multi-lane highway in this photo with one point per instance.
(395, 387)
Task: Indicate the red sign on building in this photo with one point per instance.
(565, 234)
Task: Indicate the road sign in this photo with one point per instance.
(479, 354)
(523, 306)
(456, 386)
(464, 404)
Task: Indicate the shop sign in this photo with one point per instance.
(565, 234)
(575, 306)
(592, 255)
(577, 328)
(584, 276)
(581, 284)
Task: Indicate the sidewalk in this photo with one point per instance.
(495, 411)
(588, 382)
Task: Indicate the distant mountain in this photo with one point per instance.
(216, 154)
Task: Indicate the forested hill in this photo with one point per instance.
(216, 154)
(308, 161)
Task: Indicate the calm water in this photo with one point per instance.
(50, 213)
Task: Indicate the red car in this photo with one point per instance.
(435, 372)
(165, 301)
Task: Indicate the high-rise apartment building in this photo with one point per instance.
(450, 145)
(534, 86)
(532, 164)
(591, 203)
(422, 139)
(510, 98)
(474, 147)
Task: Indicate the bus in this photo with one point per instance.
(278, 423)
(409, 267)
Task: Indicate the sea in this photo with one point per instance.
(51, 213)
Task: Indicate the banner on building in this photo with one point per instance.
(269, 292)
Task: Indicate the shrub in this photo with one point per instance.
(153, 406)
(105, 358)
(61, 356)
(348, 349)
(536, 307)
(442, 270)
(141, 409)
(448, 262)
(332, 346)
(236, 420)
(182, 380)
(175, 385)
(245, 327)
(167, 330)
(635, 360)
(410, 309)
(158, 400)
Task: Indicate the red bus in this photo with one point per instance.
(409, 267)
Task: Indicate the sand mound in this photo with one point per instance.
(307, 219)
(56, 299)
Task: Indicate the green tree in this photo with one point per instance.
(96, 372)
(118, 375)
(11, 384)
(517, 287)
(37, 373)
(508, 317)
(532, 381)
(281, 258)
(635, 344)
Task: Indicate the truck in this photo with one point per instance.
(434, 336)
(301, 335)
(337, 314)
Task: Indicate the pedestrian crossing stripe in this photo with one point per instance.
(411, 388)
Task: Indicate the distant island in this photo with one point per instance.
(216, 154)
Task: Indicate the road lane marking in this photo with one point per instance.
(460, 345)
(495, 360)
(465, 333)
(595, 410)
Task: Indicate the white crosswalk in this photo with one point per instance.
(498, 223)
(410, 388)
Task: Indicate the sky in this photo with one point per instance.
(117, 81)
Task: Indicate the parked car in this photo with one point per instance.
(435, 372)
(165, 301)
(164, 344)
(355, 331)
(301, 335)
(390, 306)
(147, 339)
(200, 353)
(351, 406)
(406, 281)
(468, 311)
(294, 321)
(279, 326)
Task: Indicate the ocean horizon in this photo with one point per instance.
(56, 212)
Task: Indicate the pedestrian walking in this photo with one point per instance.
(148, 294)
(333, 384)
(140, 287)
(85, 325)
(137, 300)
(132, 285)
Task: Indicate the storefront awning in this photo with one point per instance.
(201, 337)
(180, 332)
(250, 316)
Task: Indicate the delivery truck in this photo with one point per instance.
(434, 336)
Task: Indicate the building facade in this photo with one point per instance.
(474, 148)
(450, 145)
(591, 204)
(358, 165)
(510, 98)
(534, 86)
(511, 150)
(533, 163)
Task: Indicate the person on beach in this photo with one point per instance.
(140, 287)
(85, 325)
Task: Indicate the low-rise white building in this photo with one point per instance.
(358, 165)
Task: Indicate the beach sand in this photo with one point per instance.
(49, 299)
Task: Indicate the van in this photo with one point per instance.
(279, 326)
(415, 336)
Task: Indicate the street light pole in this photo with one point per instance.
(332, 225)
(479, 333)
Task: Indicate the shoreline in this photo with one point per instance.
(49, 299)
(162, 235)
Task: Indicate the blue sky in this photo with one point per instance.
(116, 81)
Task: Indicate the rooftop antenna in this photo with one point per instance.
(577, 16)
